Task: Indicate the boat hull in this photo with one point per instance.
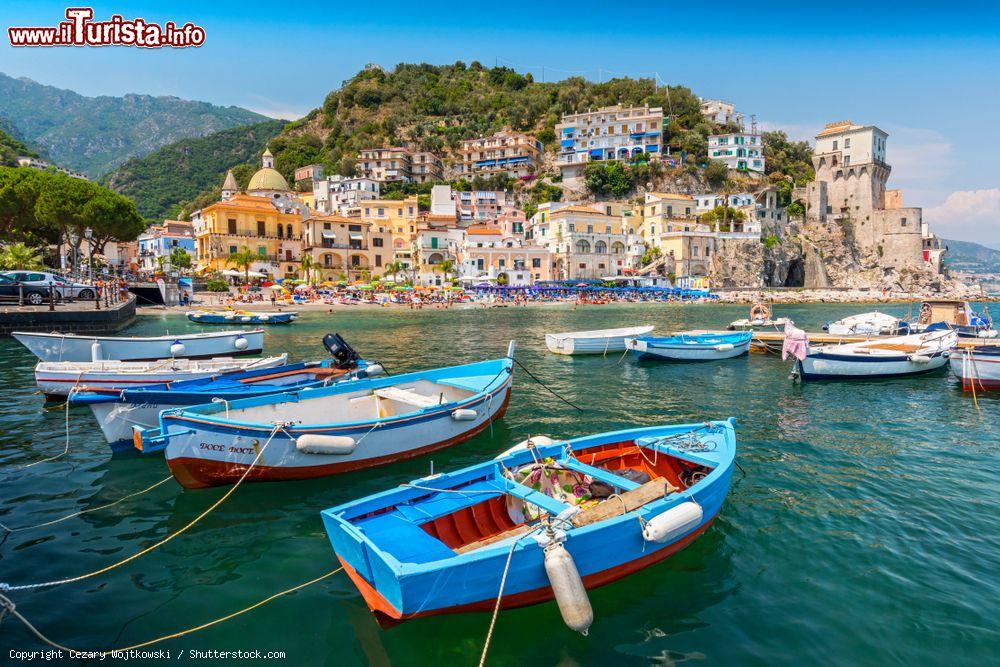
(117, 419)
(841, 367)
(647, 351)
(255, 319)
(597, 344)
(66, 347)
(212, 454)
(977, 371)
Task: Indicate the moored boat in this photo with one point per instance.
(978, 368)
(691, 345)
(231, 317)
(901, 356)
(58, 378)
(760, 317)
(324, 431)
(119, 413)
(71, 347)
(548, 520)
(600, 341)
(957, 316)
(868, 324)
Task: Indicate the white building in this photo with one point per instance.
(720, 112)
(708, 202)
(856, 144)
(611, 133)
(442, 201)
(336, 194)
(741, 151)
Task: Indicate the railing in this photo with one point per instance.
(111, 294)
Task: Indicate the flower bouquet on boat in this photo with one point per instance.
(314, 432)
(544, 520)
(900, 356)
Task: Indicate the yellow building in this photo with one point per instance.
(246, 221)
(345, 247)
(399, 217)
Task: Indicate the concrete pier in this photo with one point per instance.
(68, 317)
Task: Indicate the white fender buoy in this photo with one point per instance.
(229, 316)
(673, 523)
(374, 370)
(264, 317)
(536, 440)
(292, 317)
(314, 443)
(240, 343)
(568, 588)
(920, 359)
(724, 347)
(95, 351)
(464, 415)
(245, 318)
(177, 348)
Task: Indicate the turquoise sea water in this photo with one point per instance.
(866, 530)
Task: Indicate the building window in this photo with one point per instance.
(232, 226)
(536, 263)
(378, 259)
(377, 243)
(834, 144)
(262, 251)
(261, 228)
(280, 230)
(902, 222)
(847, 143)
(233, 249)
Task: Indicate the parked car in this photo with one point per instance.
(33, 295)
(64, 288)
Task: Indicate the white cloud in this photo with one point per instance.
(968, 215)
(921, 159)
(282, 113)
(796, 132)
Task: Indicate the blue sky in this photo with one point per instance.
(928, 73)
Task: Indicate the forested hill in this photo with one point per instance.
(11, 148)
(971, 257)
(166, 178)
(96, 134)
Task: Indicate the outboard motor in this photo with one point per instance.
(343, 354)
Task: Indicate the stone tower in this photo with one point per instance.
(229, 188)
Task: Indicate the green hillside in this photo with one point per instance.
(161, 181)
(10, 148)
(971, 257)
(96, 134)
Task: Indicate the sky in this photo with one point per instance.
(926, 72)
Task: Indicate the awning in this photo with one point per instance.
(566, 143)
(356, 236)
(596, 152)
(652, 148)
(329, 235)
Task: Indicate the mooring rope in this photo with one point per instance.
(143, 552)
(87, 511)
(7, 606)
(546, 387)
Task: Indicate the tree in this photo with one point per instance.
(724, 216)
(161, 261)
(393, 269)
(716, 173)
(308, 263)
(180, 259)
(608, 178)
(243, 259)
(447, 267)
(18, 256)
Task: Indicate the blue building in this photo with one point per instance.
(161, 241)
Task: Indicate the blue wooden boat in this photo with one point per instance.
(231, 317)
(609, 504)
(691, 345)
(119, 412)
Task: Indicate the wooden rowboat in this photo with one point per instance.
(600, 341)
(70, 347)
(608, 504)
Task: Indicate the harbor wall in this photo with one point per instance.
(81, 317)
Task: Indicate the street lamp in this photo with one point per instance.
(88, 233)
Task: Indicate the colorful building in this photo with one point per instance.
(741, 151)
(584, 242)
(345, 248)
(512, 153)
(162, 241)
(611, 133)
(399, 164)
(255, 223)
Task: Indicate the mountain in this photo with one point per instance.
(96, 134)
(971, 257)
(166, 178)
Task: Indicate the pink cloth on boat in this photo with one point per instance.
(796, 343)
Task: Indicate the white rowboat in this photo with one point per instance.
(70, 347)
(599, 341)
(888, 357)
(57, 378)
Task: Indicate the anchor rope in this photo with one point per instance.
(87, 511)
(47, 584)
(7, 606)
(546, 387)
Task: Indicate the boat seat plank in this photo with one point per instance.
(436, 505)
(652, 490)
(473, 383)
(403, 539)
(895, 347)
(407, 396)
(514, 532)
(600, 474)
(537, 498)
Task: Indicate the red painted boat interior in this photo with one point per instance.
(471, 524)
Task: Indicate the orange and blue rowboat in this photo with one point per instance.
(612, 504)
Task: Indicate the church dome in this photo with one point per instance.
(267, 179)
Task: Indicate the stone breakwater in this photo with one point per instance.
(843, 296)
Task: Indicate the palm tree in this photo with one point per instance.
(393, 269)
(308, 263)
(366, 275)
(160, 261)
(447, 267)
(18, 256)
(242, 260)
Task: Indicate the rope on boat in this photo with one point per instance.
(496, 608)
(65, 406)
(7, 606)
(87, 511)
(546, 387)
(46, 584)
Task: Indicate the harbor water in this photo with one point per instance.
(864, 531)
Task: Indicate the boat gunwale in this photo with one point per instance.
(622, 332)
(190, 336)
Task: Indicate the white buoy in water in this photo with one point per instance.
(568, 588)
(240, 343)
(313, 443)
(464, 415)
(177, 348)
(673, 523)
(95, 351)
